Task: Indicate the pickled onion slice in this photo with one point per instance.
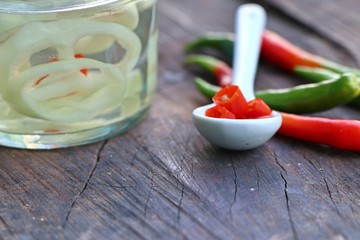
(60, 90)
(62, 35)
(65, 94)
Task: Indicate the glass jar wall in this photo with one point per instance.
(74, 72)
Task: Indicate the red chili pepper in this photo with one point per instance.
(218, 68)
(84, 71)
(257, 108)
(281, 52)
(339, 133)
(223, 73)
(79, 55)
(219, 112)
(37, 82)
(231, 98)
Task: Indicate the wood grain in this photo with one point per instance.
(162, 180)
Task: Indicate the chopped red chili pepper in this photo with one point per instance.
(219, 112)
(79, 55)
(37, 82)
(232, 99)
(52, 58)
(84, 71)
(258, 108)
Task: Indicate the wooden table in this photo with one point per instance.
(162, 180)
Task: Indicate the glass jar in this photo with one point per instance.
(74, 72)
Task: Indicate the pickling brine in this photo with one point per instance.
(74, 72)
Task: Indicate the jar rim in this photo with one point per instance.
(45, 6)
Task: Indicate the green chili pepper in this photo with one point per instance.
(321, 74)
(207, 89)
(314, 74)
(314, 97)
(305, 98)
(218, 68)
(224, 42)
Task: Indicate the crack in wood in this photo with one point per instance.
(189, 215)
(179, 211)
(287, 199)
(325, 181)
(293, 229)
(3, 222)
(82, 190)
(149, 195)
(278, 162)
(235, 190)
(330, 195)
(116, 186)
(161, 166)
(177, 175)
(257, 177)
(134, 157)
(192, 171)
(180, 170)
(258, 188)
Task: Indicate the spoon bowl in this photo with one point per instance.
(236, 134)
(241, 134)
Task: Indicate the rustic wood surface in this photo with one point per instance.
(162, 180)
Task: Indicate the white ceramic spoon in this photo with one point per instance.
(241, 134)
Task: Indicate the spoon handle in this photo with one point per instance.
(249, 25)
